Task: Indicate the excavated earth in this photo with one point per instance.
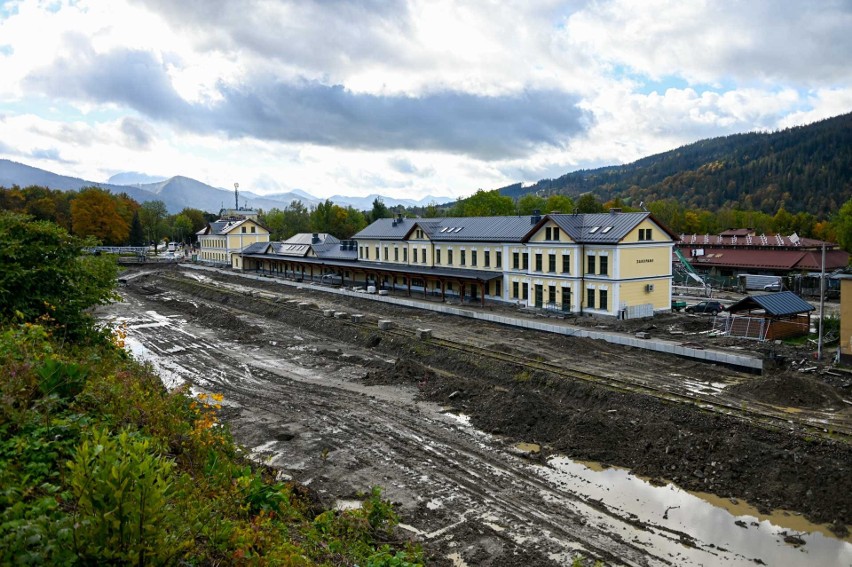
(463, 443)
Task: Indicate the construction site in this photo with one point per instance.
(507, 436)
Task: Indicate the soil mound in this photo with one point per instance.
(789, 389)
(403, 371)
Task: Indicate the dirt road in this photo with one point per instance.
(342, 408)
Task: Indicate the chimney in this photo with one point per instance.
(399, 218)
(536, 216)
(614, 210)
(315, 238)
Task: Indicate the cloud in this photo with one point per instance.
(708, 42)
(485, 127)
(407, 167)
(50, 154)
(326, 35)
(136, 133)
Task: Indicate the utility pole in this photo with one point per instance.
(821, 303)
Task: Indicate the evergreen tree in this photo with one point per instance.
(137, 233)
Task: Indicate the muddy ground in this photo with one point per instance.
(319, 399)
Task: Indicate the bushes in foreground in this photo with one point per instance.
(100, 464)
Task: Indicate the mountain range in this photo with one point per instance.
(803, 169)
(180, 192)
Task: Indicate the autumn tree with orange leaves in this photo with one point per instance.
(95, 212)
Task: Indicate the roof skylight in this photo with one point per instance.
(594, 229)
(606, 229)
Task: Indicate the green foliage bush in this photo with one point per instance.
(125, 510)
(43, 274)
(99, 463)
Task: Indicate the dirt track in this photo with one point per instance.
(309, 395)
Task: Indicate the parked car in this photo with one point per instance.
(711, 307)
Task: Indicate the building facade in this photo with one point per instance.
(615, 264)
(846, 318)
(219, 241)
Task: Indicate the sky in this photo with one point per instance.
(404, 98)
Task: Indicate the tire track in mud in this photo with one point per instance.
(664, 380)
(507, 494)
(458, 525)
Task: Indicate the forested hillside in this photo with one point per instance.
(803, 169)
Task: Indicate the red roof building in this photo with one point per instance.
(740, 250)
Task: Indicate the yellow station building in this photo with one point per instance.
(220, 242)
(614, 264)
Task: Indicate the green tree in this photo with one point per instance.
(283, 224)
(379, 211)
(561, 203)
(484, 204)
(44, 272)
(323, 217)
(196, 216)
(431, 211)
(588, 203)
(181, 228)
(842, 225)
(137, 233)
(531, 202)
(153, 214)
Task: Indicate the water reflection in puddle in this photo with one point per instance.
(708, 520)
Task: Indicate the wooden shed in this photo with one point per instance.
(770, 316)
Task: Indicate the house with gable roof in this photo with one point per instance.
(612, 263)
(220, 240)
(291, 257)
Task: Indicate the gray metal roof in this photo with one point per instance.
(221, 226)
(478, 229)
(386, 229)
(308, 238)
(335, 251)
(778, 304)
(452, 229)
(404, 269)
(604, 228)
(256, 248)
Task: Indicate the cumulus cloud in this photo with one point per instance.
(487, 127)
(709, 42)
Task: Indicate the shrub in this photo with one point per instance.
(124, 509)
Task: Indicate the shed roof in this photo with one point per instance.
(778, 304)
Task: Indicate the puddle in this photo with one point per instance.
(711, 526)
(781, 518)
(532, 448)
